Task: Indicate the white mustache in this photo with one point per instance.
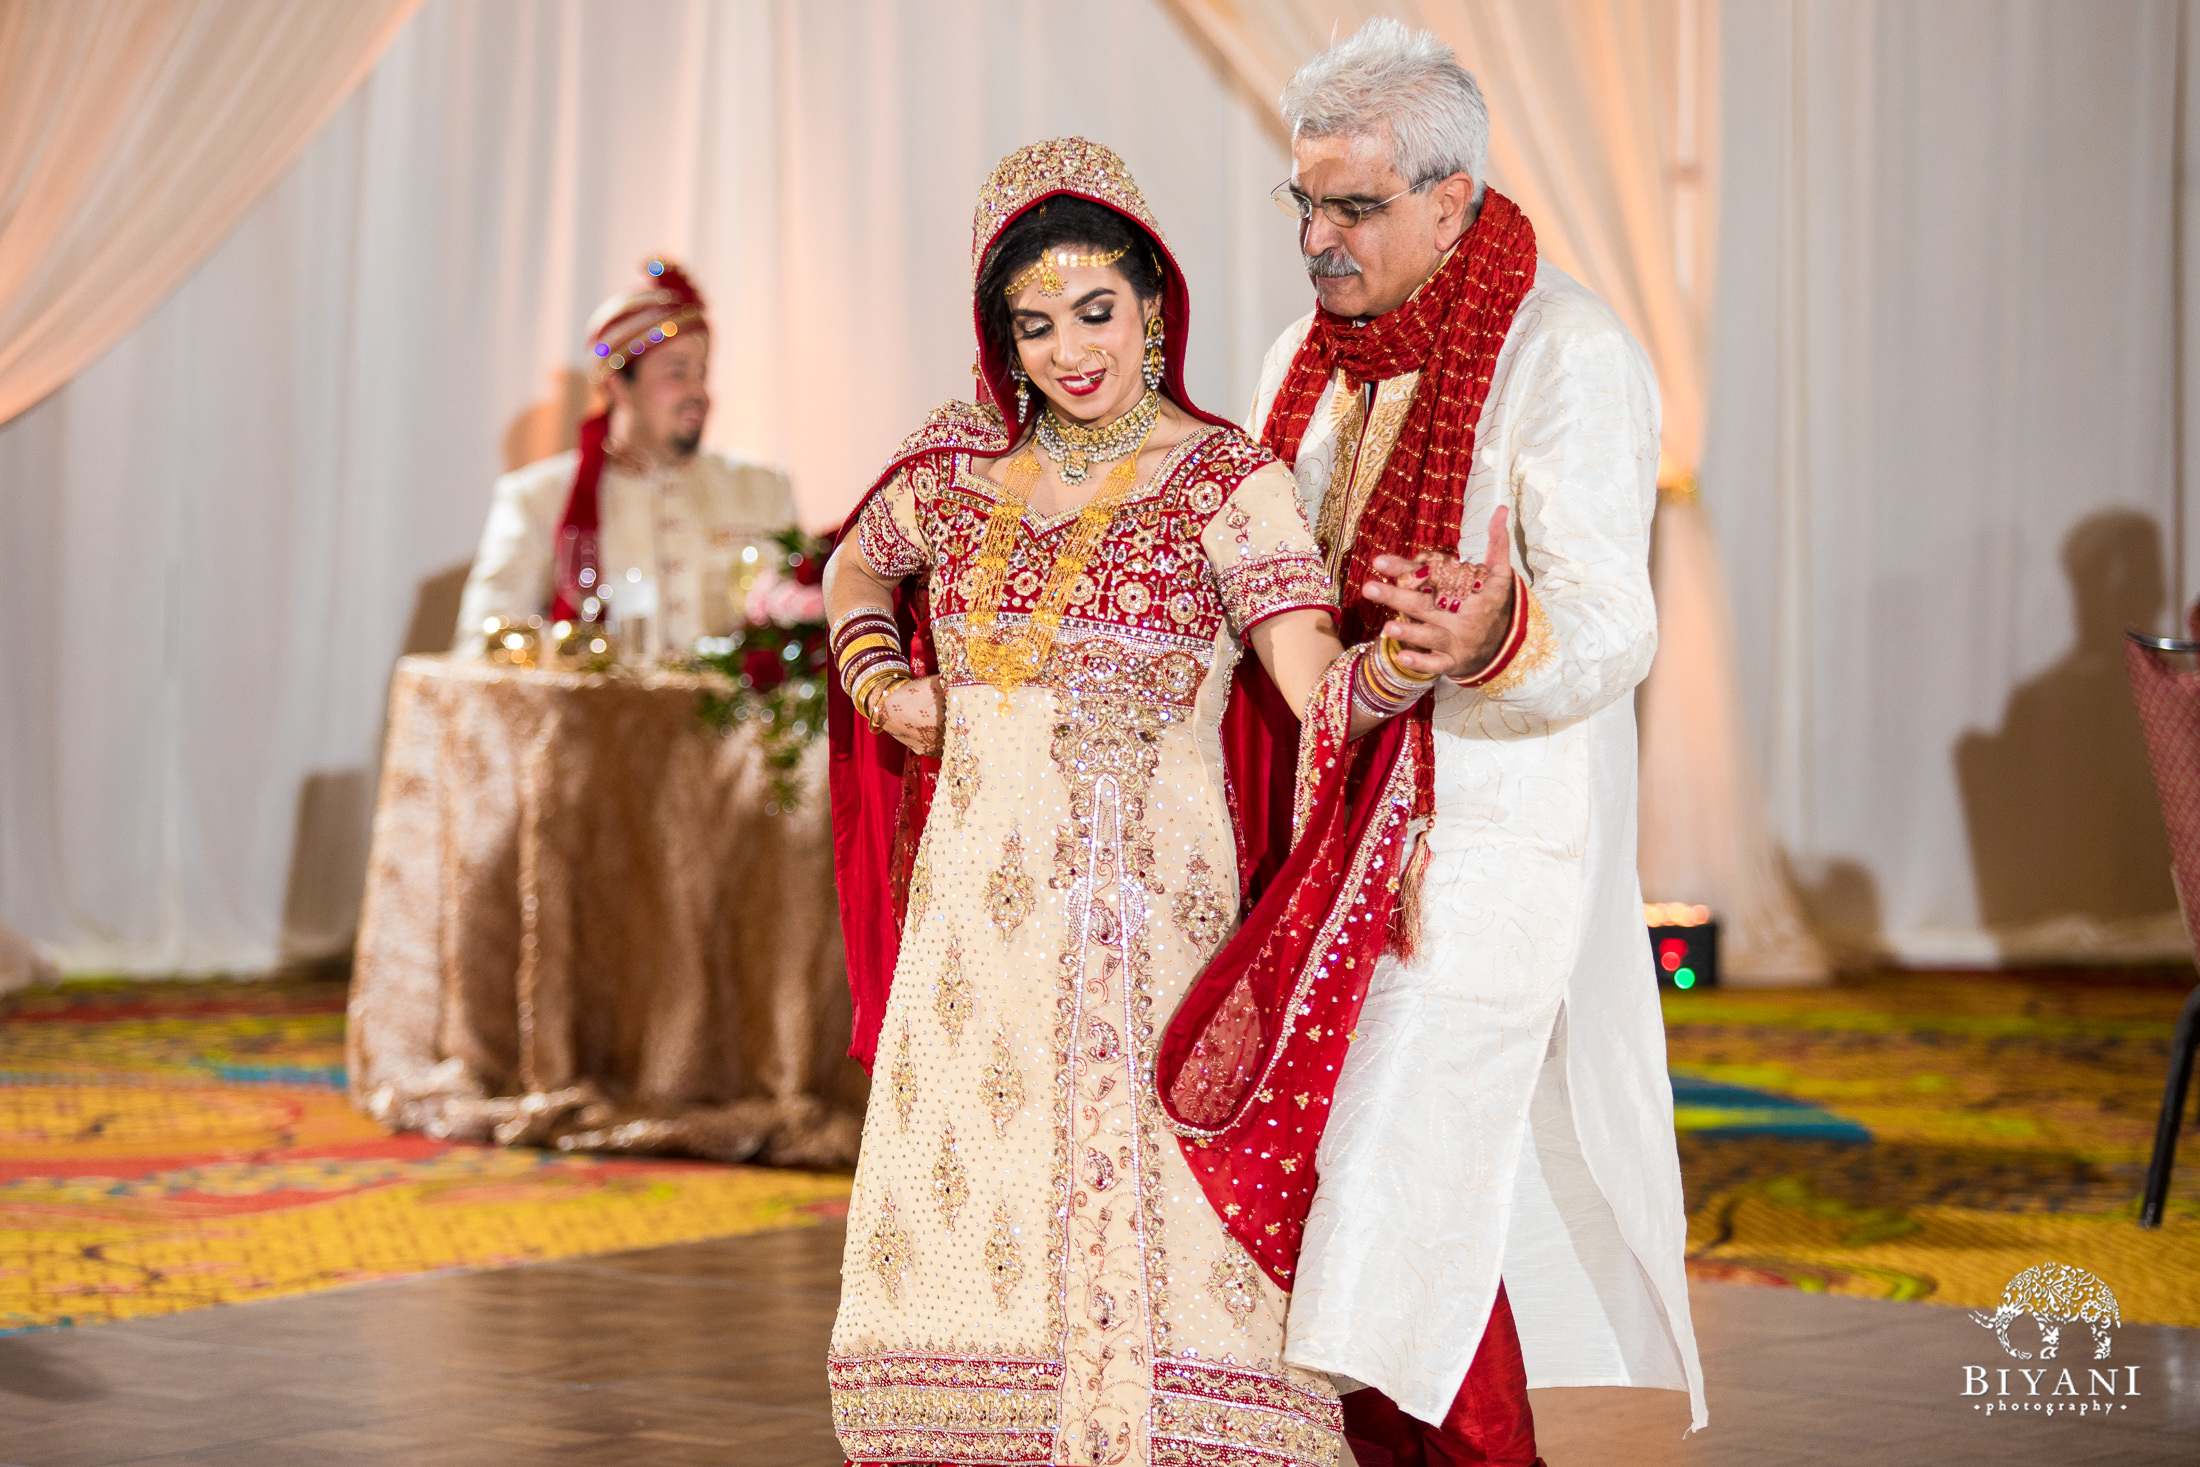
(1330, 263)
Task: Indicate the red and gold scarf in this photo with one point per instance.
(1450, 332)
(1248, 1063)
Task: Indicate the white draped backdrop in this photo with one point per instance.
(218, 536)
(1940, 425)
(1943, 456)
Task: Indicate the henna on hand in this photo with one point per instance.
(916, 715)
(1450, 616)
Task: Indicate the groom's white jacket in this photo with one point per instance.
(1504, 1111)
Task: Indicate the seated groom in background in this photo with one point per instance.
(639, 504)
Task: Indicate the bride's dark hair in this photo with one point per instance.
(1078, 224)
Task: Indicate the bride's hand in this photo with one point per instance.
(916, 712)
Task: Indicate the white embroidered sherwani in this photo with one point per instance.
(1504, 1111)
(683, 527)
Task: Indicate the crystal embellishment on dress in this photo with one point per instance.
(1004, 1261)
(959, 768)
(1198, 909)
(1008, 890)
(920, 894)
(1235, 1283)
(1001, 1086)
(890, 1253)
(1099, 1170)
(952, 999)
(904, 1080)
(950, 1180)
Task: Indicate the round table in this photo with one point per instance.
(589, 925)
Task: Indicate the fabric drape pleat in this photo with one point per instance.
(134, 136)
(1604, 129)
(220, 535)
(21, 963)
(1955, 256)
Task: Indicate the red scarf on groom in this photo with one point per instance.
(1249, 1062)
(1450, 331)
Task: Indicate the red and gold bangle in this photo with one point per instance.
(859, 668)
(863, 622)
(864, 680)
(1382, 685)
(867, 646)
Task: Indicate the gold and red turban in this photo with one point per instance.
(628, 325)
(621, 331)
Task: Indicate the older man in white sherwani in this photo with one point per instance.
(1502, 1128)
(640, 516)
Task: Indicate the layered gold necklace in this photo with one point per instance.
(1008, 660)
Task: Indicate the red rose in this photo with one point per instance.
(809, 570)
(763, 669)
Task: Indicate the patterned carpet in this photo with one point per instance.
(1948, 1131)
(166, 1145)
(172, 1144)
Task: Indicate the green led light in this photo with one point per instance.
(1685, 978)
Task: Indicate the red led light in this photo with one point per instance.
(1669, 960)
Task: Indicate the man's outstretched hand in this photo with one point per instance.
(1448, 616)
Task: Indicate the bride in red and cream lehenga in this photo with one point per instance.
(1058, 782)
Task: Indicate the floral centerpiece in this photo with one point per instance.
(777, 662)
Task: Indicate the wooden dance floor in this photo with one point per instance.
(713, 1353)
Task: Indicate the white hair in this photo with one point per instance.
(1388, 75)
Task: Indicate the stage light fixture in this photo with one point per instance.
(1684, 945)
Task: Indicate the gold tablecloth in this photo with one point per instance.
(584, 930)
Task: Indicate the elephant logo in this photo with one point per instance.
(2054, 1294)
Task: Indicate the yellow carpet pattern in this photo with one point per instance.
(1998, 1121)
(167, 1145)
(170, 1145)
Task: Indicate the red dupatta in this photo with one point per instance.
(881, 792)
(1249, 1063)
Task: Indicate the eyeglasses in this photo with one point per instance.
(1343, 212)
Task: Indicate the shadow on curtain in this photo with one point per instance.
(2066, 836)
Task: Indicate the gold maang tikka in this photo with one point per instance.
(1047, 269)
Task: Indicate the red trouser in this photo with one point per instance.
(1489, 1420)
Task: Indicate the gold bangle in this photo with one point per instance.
(865, 643)
(1390, 650)
(875, 707)
(868, 683)
(863, 687)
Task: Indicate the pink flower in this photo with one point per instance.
(779, 600)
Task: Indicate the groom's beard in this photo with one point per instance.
(1330, 263)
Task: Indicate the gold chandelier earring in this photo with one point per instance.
(1023, 388)
(1152, 369)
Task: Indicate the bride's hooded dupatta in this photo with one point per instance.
(1246, 1067)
